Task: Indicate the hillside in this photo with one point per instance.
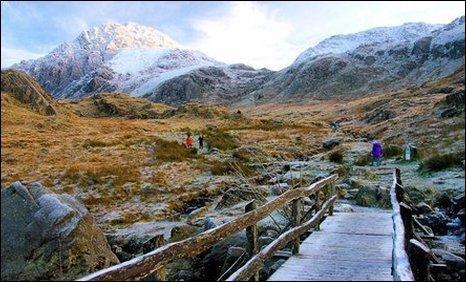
(18, 87)
(122, 157)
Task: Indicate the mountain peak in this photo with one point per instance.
(342, 43)
(115, 36)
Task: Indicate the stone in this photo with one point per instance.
(264, 241)
(373, 196)
(197, 213)
(272, 233)
(422, 207)
(279, 189)
(45, 236)
(209, 224)
(460, 215)
(293, 176)
(331, 143)
(184, 231)
(437, 221)
(453, 261)
(444, 201)
(213, 263)
(149, 189)
(236, 195)
(343, 208)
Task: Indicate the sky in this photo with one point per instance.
(260, 34)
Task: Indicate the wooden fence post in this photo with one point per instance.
(296, 214)
(317, 207)
(419, 260)
(332, 192)
(160, 274)
(252, 234)
(398, 176)
(407, 218)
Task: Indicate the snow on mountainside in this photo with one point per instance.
(380, 59)
(113, 57)
(381, 35)
(142, 61)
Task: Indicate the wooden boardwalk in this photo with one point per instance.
(349, 246)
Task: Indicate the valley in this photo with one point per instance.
(96, 169)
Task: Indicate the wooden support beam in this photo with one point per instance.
(419, 259)
(401, 268)
(283, 254)
(257, 262)
(252, 235)
(407, 217)
(296, 214)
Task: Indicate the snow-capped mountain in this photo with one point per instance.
(378, 59)
(113, 57)
(380, 35)
(142, 61)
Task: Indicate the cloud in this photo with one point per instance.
(12, 56)
(248, 33)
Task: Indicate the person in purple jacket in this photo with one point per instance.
(377, 153)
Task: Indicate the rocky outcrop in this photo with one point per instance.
(215, 84)
(118, 105)
(27, 91)
(46, 236)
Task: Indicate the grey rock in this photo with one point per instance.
(279, 188)
(343, 208)
(436, 220)
(423, 207)
(453, 261)
(236, 195)
(40, 229)
(330, 143)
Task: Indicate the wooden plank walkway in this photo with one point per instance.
(349, 246)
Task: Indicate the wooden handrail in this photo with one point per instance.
(257, 262)
(401, 268)
(148, 263)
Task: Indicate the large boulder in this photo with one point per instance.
(236, 195)
(373, 196)
(46, 236)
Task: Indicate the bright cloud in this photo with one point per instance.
(249, 33)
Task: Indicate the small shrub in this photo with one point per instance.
(439, 162)
(392, 151)
(220, 139)
(343, 171)
(336, 156)
(172, 151)
(225, 168)
(363, 160)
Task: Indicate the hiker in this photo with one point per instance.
(188, 142)
(201, 141)
(377, 153)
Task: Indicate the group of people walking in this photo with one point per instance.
(189, 141)
(376, 153)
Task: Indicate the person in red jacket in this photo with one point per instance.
(188, 142)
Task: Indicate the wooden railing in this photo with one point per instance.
(412, 259)
(155, 261)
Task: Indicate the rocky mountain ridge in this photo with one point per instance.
(142, 61)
